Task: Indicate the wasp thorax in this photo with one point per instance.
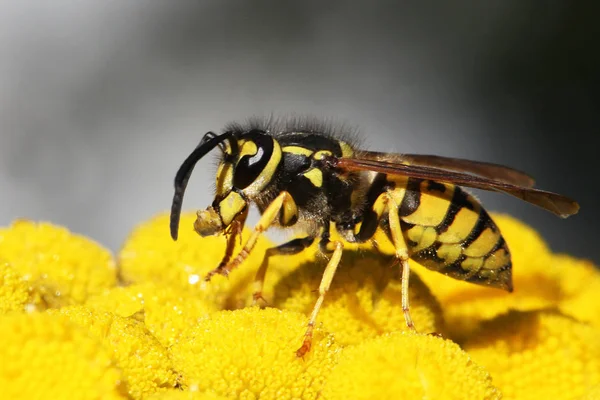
(208, 222)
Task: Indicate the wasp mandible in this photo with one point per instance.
(303, 174)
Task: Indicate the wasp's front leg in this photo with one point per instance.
(284, 207)
(232, 233)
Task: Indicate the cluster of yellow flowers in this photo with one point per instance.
(77, 323)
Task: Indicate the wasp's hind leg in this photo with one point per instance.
(294, 246)
(283, 207)
(401, 252)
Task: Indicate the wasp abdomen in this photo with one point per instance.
(448, 231)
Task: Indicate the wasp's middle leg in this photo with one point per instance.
(328, 275)
(294, 246)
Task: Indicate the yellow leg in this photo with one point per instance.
(263, 224)
(259, 282)
(234, 230)
(332, 265)
(401, 255)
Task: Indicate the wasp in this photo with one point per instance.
(309, 176)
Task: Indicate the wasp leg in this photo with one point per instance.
(332, 265)
(401, 254)
(294, 246)
(234, 231)
(283, 203)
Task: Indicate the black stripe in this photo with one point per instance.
(405, 226)
(482, 223)
(428, 254)
(370, 220)
(499, 244)
(485, 281)
(460, 200)
(436, 186)
(412, 197)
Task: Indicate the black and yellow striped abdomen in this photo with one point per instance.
(448, 231)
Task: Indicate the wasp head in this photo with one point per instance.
(249, 161)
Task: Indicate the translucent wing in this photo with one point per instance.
(553, 202)
(493, 171)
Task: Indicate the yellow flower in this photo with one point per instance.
(593, 394)
(166, 311)
(364, 299)
(580, 287)
(46, 356)
(537, 283)
(150, 255)
(175, 394)
(405, 365)
(144, 361)
(163, 337)
(538, 355)
(61, 268)
(14, 290)
(250, 353)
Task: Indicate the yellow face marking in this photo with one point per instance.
(230, 207)
(347, 151)
(297, 150)
(449, 252)
(424, 236)
(321, 154)
(224, 178)
(433, 206)
(267, 173)
(472, 264)
(461, 226)
(315, 176)
(498, 259)
(483, 244)
(248, 148)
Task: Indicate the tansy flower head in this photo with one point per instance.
(405, 365)
(580, 288)
(175, 394)
(47, 356)
(60, 268)
(166, 311)
(593, 394)
(14, 290)
(364, 299)
(250, 353)
(538, 355)
(144, 361)
(150, 255)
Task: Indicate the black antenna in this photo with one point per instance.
(209, 142)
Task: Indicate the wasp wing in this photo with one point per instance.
(553, 202)
(493, 171)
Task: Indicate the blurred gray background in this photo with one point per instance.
(101, 101)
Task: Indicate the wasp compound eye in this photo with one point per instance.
(254, 157)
